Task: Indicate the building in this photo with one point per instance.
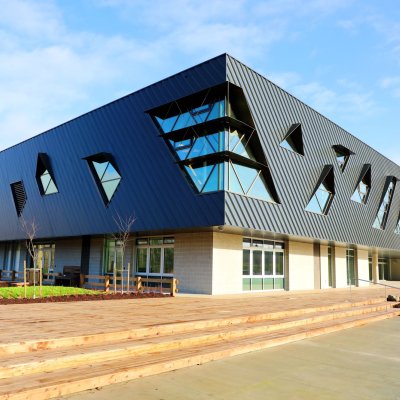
(235, 185)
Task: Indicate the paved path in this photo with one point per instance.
(360, 363)
(53, 320)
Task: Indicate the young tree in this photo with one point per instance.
(122, 237)
(30, 229)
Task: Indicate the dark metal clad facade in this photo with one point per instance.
(295, 176)
(152, 187)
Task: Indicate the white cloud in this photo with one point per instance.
(392, 84)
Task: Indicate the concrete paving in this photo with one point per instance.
(360, 363)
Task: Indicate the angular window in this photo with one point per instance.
(362, 190)
(386, 200)
(213, 138)
(342, 155)
(397, 230)
(184, 119)
(322, 196)
(248, 181)
(106, 174)
(293, 139)
(44, 175)
(19, 195)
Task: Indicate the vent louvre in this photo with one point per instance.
(19, 195)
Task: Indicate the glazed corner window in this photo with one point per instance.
(106, 174)
(44, 175)
(322, 197)
(386, 200)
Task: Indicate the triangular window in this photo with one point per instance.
(386, 200)
(293, 139)
(106, 174)
(342, 155)
(363, 188)
(324, 192)
(19, 195)
(44, 175)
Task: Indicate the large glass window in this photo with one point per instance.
(193, 116)
(263, 264)
(212, 135)
(155, 256)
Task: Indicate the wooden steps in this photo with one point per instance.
(45, 369)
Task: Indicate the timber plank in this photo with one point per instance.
(65, 381)
(50, 359)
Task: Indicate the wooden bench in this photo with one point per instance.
(69, 277)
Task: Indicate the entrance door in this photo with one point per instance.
(45, 257)
(383, 266)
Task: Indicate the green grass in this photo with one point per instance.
(47, 291)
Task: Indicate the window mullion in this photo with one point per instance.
(237, 176)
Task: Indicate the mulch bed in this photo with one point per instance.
(84, 297)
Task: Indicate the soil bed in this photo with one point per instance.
(83, 297)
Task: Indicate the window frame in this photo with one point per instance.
(164, 245)
(101, 158)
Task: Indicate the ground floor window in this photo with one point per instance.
(263, 265)
(155, 256)
(370, 268)
(330, 267)
(112, 256)
(350, 264)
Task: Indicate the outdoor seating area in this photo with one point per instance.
(70, 277)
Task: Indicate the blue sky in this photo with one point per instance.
(62, 58)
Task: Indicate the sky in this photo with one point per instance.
(62, 58)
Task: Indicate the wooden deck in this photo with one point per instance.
(19, 323)
(49, 350)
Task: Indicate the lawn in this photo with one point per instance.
(47, 291)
